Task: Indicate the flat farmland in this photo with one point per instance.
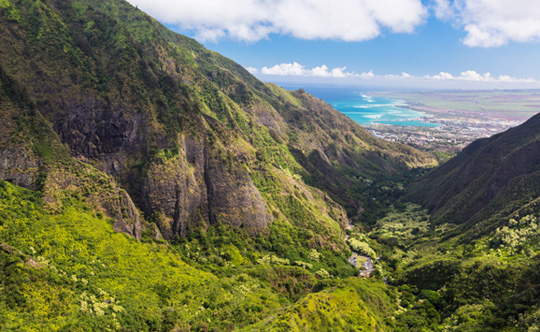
(462, 116)
(505, 105)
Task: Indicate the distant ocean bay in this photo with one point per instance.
(368, 110)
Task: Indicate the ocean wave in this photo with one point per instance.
(368, 99)
(411, 116)
(356, 113)
(364, 109)
(373, 105)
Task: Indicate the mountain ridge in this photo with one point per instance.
(484, 178)
(149, 184)
(148, 106)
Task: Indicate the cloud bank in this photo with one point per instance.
(471, 75)
(252, 20)
(492, 23)
(487, 23)
(297, 70)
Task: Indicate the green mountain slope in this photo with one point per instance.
(69, 270)
(193, 137)
(476, 255)
(488, 181)
(232, 194)
(33, 156)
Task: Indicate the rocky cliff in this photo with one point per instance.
(32, 156)
(191, 136)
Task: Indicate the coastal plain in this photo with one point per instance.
(464, 116)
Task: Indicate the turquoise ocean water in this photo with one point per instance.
(366, 109)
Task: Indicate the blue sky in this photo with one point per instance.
(393, 43)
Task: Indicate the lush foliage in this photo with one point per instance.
(70, 270)
(63, 267)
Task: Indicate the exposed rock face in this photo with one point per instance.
(174, 191)
(94, 128)
(19, 167)
(234, 200)
(193, 188)
(89, 125)
(126, 215)
(97, 131)
(18, 162)
(80, 180)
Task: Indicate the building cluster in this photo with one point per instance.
(451, 136)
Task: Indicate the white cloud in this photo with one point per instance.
(252, 20)
(286, 69)
(398, 77)
(443, 9)
(296, 69)
(492, 23)
(366, 75)
(441, 76)
(252, 70)
(471, 75)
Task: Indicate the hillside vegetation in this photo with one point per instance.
(487, 183)
(177, 125)
(153, 185)
(149, 184)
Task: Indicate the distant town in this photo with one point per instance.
(452, 136)
(463, 117)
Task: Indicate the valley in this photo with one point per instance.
(150, 184)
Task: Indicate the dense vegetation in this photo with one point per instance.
(69, 270)
(153, 185)
(116, 124)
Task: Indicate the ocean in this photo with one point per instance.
(366, 109)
